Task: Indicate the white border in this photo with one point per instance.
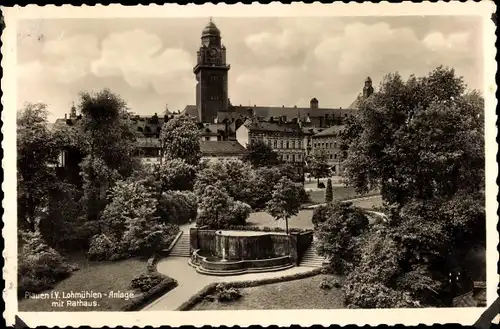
(243, 318)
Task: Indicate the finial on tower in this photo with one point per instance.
(211, 19)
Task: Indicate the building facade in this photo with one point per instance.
(328, 140)
(285, 138)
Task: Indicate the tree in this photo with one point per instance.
(36, 151)
(180, 139)
(329, 191)
(129, 224)
(176, 174)
(337, 225)
(422, 138)
(259, 154)
(109, 142)
(178, 207)
(234, 176)
(318, 164)
(213, 208)
(421, 141)
(285, 201)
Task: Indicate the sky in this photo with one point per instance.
(274, 61)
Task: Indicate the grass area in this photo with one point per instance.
(297, 294)
(303, 220)
(369, 203)
(339, 193)
(99, 277)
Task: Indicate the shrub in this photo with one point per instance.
(155, 292)
(225, 294)
(321, 185)
(239, 213)
(219, 211)
(176, 174)
(145, 282)
(338, 227)
(177, 207)
(129, 219)
(102, 247)
(39, 266)
(329, 283)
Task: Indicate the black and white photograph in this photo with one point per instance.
(214, 161)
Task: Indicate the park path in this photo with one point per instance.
(190, 282)
(350, 200)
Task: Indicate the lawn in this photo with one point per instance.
(297, 294)
(339, 193)
(303, 220)
(369, 202)
(99, 277)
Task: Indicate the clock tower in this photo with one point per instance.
(211, 75)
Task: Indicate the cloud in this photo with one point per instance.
(437, 41)
(140, 59)
(273, 61)
(68, 58)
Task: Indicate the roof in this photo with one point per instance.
(191, 110)
(253, 125)
(332, 131)
(290, 112)
(221, 148)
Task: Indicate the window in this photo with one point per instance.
(281, 144)
(275, 144)
(298, 157)
(331, 156)
(207, 138)
(335, 156)
(335, 144)
(252, 141)
(287, 144)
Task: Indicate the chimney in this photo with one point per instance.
(314, 103)
(65, 116)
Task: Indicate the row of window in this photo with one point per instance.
(282, 144)
(325, 145)
(291, 157)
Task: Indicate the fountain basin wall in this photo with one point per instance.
(245, 245)
(217, 265)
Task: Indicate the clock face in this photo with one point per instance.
(213, 52)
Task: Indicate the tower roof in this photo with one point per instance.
(210, 30)
(368, 79)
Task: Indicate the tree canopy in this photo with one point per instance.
(318, 164)
(285, 200)
(180, 139)
(420, 141)
(259, 154)
(36, 151)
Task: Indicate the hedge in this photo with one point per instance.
(209, 289)
(156, 292)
